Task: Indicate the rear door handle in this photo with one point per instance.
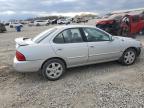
(59, 49)
(92, 46)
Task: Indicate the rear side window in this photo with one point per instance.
(69, 36)
(59, 39)
(43, 35)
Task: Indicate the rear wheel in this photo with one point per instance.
(37, 24)
(128, 57)
(53, 69)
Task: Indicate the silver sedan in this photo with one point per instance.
(62, 47)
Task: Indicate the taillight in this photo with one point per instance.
(20, 56)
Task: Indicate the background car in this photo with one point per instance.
(2, 28)
(6, 23)
(110, 24)
(126, 24)
(62, 47)
(63, 21)
(15, 24)
(31, 23)
(41, 22)
(54, 21)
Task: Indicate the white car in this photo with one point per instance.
(31, 23)
(15, 24)
(62, 47)
(63, 21)
(41, 22)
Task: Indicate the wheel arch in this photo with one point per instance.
(54, 58)
(136, 49)
(120, 60)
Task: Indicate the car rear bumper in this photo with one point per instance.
(27, 66)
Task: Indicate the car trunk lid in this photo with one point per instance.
(23, 41)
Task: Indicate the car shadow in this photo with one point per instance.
(82, 71)
(94, 68)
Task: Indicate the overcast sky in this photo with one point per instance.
(22, 9)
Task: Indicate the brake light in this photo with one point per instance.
(20, 56)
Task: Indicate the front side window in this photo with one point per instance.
(93, 35)
(69, 36)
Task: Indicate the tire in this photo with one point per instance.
(128, 57)
(53, 69)
(37, 24)
(47, 24)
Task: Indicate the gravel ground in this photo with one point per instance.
(106, 85)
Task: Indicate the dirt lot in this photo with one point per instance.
(106, 85)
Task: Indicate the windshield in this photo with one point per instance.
(43, 34)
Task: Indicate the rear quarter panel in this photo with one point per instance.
(37, 52)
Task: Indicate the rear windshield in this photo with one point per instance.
(43, 35)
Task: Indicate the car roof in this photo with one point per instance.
(74, 26)
(135, 13)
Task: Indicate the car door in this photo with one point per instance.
(101, 46)
(134, 24)
(69, 44)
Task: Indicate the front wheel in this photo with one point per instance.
(53, 69)
(128, 57)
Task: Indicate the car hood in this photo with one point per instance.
(104, 21)
(124, 38)
(128, 41)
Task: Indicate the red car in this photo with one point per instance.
(125, 25)
(132, 24)
(110, 24)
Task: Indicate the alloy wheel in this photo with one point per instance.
(54, 70)
(129, 57)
